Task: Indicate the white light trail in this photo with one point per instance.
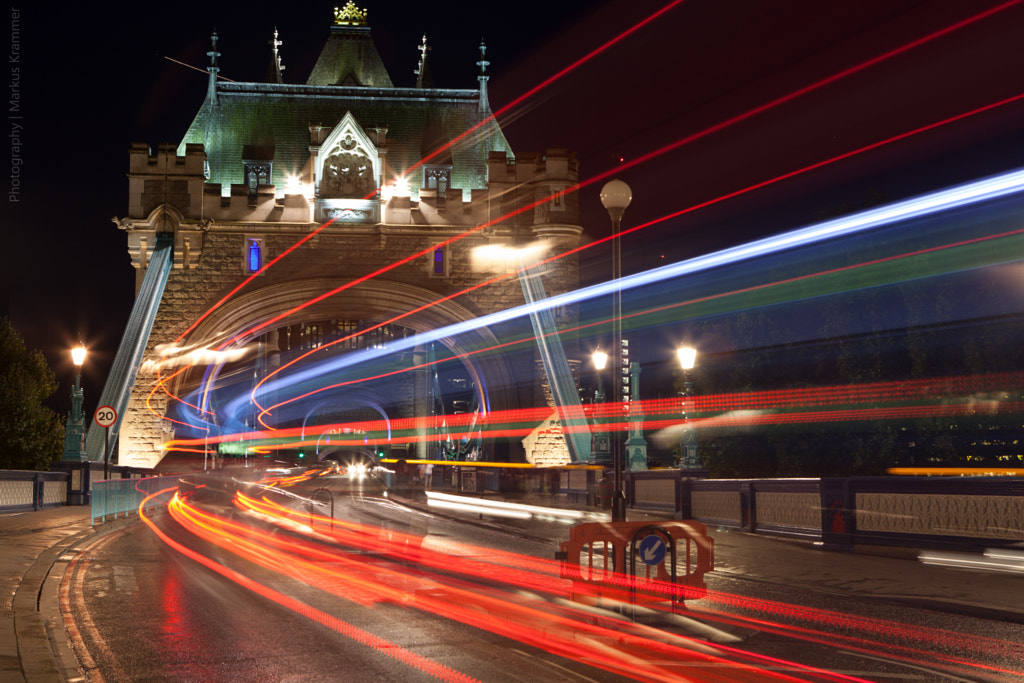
(929, 204)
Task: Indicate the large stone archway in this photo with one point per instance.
(242, 319)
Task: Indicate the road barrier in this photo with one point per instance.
(638, 562)
(112, 497)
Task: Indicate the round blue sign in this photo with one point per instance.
(652, 550)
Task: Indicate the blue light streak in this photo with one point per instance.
(925, 205)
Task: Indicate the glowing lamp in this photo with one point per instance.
(74, 428)
(294, 185)
(616, 196)
(401, 187)
(505, 258)
(687, 357)
(600, 359)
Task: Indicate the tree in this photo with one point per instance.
(31, 435)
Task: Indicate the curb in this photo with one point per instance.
(38, 633)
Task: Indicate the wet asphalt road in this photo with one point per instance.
(143, 611)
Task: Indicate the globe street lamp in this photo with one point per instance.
(616, 196)
(688, 445)
(74, 430)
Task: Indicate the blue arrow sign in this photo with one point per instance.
(652, 550)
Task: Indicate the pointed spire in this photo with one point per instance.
(484, 106)
(350, 57)
(275, 69)
(423, 77)
(211, 90)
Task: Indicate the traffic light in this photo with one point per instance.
(302, 455)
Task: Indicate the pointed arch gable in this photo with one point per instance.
(165, 217)
(348, 165)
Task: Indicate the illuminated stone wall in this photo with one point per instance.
(168, 194)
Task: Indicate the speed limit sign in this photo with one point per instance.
(106, 416)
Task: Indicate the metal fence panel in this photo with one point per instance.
(113, 497)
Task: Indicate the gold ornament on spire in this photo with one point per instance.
(349, 15)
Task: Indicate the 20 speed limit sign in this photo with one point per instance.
(106, 416)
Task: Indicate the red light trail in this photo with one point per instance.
(264, 411)
(348, 630)
(786, 176)
(561, 630)
(938, 397)
(516, 102)
(638, 314)
(707, 131)
(448, 584)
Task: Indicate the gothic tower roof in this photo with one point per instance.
(350, 56)
(279, 125)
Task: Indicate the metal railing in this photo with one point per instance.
(22, 490)
(114, 497)
(931, 512)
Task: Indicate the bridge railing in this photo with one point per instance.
(933, 512)
(927, 512)
(30, 490)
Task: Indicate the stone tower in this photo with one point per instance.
(303, 214)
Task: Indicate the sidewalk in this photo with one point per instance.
(32, 563)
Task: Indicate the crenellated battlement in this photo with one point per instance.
(166, 160)
(545, 180)
(165, 178)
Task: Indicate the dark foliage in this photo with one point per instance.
(31, 435)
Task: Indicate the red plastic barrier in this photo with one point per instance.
(614, 561)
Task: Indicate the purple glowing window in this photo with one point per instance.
(255, 255)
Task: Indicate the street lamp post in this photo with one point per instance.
(600, 447)
(600, 362)
(74, 430)
(688, 459)
(74, 461)
(616, 196)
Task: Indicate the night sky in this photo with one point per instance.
(93, 79)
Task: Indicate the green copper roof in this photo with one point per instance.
(268, 116)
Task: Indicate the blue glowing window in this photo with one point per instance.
(439, 261)
(254, 255)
